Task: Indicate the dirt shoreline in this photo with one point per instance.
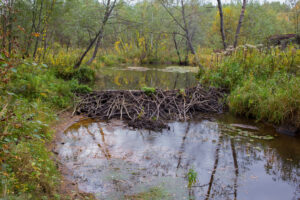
(67, 188)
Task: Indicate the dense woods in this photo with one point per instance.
(139, 31)
(51, 51)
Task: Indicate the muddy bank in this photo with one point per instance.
(68, 188)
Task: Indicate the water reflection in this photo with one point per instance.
(137, 77)
(111, 161)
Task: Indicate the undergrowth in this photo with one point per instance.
(30, 96)
(263, 84)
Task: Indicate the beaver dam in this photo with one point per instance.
(150, 108)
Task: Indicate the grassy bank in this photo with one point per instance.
(31, 94)
(263, 83)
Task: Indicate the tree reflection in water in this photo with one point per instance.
(110, 160)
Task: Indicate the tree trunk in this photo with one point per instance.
(4, 26)
(77, 65)
(32, 27)
(109, 8)
(45, 28)
(186, 29)
(237, 33)
(177, 49)
(96, 47)
(222, 24)
(38, 29)
(10, 26)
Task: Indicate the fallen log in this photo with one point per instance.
(151, 109)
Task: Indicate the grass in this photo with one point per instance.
(30, 96)
(262, 84)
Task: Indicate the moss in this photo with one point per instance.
(148, 90)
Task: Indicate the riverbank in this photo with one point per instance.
(31, 97)
(263, 84)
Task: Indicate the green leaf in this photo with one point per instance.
(14, 70)
(4, 65)
(44, 65)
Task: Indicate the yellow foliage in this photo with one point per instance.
(35, 34)
(117, 43)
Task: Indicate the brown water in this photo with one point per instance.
(233, 159)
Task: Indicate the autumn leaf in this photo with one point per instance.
(6, 54)
(21, 28)
(36, 34)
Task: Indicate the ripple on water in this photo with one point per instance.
(112, 161)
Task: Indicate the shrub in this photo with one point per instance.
(84, 75)
(79, 88)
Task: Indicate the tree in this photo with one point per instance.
(109, 6)
(240, 23)
(184, 25)
(222, 24)
(7, 18)
(295, 4)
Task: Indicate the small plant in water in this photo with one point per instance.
(192, 177)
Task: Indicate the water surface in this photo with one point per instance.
(233, 158)
(170, 77)
(113, 161)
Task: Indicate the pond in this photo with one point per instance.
(228, 157)
(170, 77)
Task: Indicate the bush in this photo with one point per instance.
(79, 88)
(84, 75)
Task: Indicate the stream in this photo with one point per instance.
(233, 158)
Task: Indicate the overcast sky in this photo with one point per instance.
(261, 1)
(214, 2)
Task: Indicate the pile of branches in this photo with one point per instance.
(151, 109)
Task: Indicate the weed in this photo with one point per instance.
(148, 90)
(192, 177)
